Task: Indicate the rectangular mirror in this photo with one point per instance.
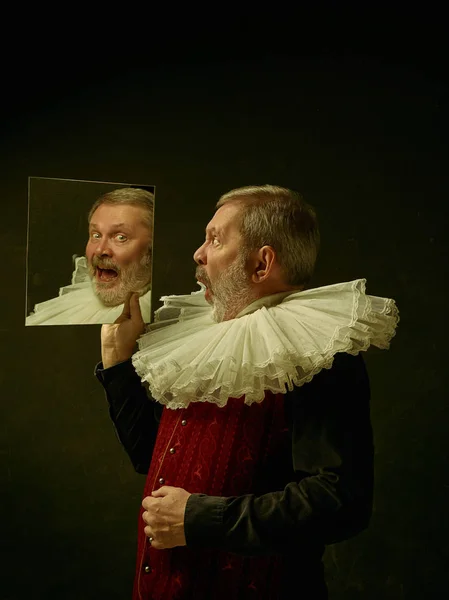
(89, 244)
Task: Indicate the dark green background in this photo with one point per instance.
(363, 136)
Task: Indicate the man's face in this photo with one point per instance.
(221, 264)
(118, 252)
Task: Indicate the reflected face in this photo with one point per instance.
(119, 252)
(221, 264)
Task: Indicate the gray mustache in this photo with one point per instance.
(201, 274)
(105, 264)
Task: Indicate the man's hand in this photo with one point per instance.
(119, 339)
(164, 517)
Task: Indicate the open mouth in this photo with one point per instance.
(106, 275)
(207, 292)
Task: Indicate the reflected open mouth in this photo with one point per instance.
(105, 275)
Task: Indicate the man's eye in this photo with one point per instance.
(216, 242)
(95, 236)
(121, 238)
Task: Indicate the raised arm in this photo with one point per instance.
(134, 414)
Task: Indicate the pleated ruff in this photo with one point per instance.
(186, 357)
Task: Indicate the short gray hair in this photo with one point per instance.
(128, 195)
(280, 218)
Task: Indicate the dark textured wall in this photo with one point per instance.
(363, 139)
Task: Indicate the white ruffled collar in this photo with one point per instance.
(266, 301)
(277, 342)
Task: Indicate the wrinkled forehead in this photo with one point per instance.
(132, 217)
(226, 219)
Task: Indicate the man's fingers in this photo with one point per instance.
(161, 492)
(146, 518)
(148, 502)
(149, 533)
(157, 544)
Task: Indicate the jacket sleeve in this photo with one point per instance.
(134, 413)
(331, 497)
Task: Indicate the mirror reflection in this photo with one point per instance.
(89, 245)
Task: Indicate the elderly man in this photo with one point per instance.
(118, 260)
(256, 438)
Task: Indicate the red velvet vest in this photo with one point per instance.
(220, 452)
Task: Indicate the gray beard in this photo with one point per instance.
(117, 295)
(231, 292)
(135, 278)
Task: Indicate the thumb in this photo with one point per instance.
(134, 307)
(161, 492)
(125, 315)
(126, 312)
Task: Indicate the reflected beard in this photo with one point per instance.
(230, 292)
(135, 277)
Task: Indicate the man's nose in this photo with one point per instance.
(103, 248)
(200, 255)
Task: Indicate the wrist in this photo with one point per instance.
(110, 358)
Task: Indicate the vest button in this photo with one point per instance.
(183, 422)
(147, 569)
(172, 450)
(161, 480)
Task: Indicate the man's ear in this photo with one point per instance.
(264, 262)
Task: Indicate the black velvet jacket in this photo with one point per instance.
(332, 456)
